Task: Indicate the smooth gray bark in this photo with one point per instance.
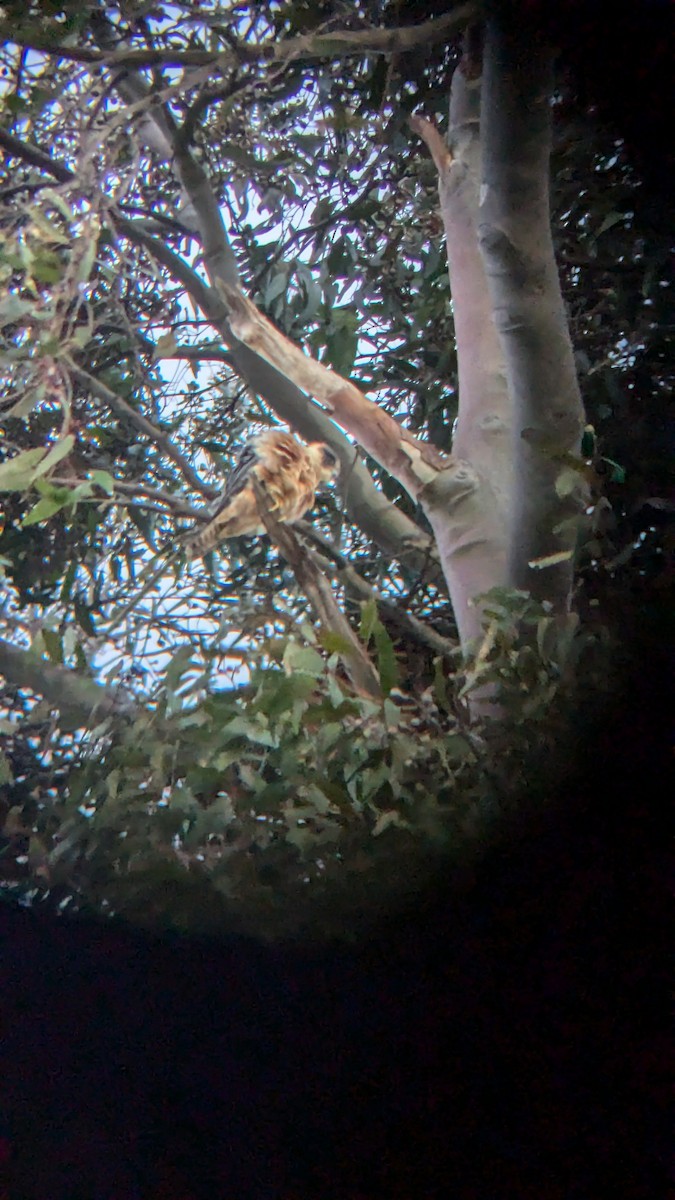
(469, 505)
(517, 248)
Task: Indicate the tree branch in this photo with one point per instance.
(415, 629)
(138, 494)
(121, 409)
(36, 157)
(75, 696)
(395, 533)
(336, 44)
(198, 352)
(320, 595)
(415, 464)
(370, 510)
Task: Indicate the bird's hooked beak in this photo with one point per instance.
(328, 462)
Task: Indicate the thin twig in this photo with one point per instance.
(121, 409)
(136, 491)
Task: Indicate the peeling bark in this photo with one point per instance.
(394, 532)
(413, 463)
(380, 520)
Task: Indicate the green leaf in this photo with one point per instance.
(54, 455)
(303, 658)
(618, 473)
(178, 667)
(41, 512)
(566, 482)
(372, 779)
(143, 521)
(165, 345)
(84, 618)
(104, 480)
(252, 730)
(16, 473)
(32, 395)
(47, 266)
(250, 777)
(546, 630)
(61, 205)
(368, 619)
(387, 664)
(88, 258)
(610, 221)
(113, 783)
(290, 688)
(372, 627)
(53, 645)
(588, 442)
(334, 643)
(388, 819)
(440, 686)
(333, 792)
(6, 775)
(341, 347)
(240, 156)
(69, 580)
(457, 747)
(276, 287)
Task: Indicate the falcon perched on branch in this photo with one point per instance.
(289, 473)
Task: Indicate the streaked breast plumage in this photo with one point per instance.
(289, 472)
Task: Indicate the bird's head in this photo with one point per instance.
(324, 460)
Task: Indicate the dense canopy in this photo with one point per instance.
(185, 740)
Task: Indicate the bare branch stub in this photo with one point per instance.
(433, 140)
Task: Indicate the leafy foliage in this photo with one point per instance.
(250, 766)
(246, 807)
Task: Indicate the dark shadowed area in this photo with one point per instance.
(503, 1041)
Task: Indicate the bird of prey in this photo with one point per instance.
(289, 473)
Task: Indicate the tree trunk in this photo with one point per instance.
(469, 506)
(517, 248)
